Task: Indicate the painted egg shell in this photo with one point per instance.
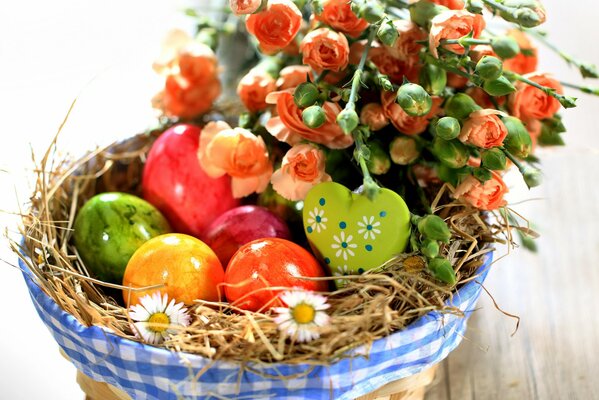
(176, 184)
(110, 227)
(241, 225)
(186, 266)
(267, 263)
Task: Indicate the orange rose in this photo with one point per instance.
(402, 121)
(406, 46)
(372, 114)
(303, 167)
(339, 16)
(528, 102)
(240, 7)
(483, 129)
(293, 75)
(453, 24)
(456, 81)
(392, 66)
(276, 26)
(253, 88)
(484, 196)
(191, 76)
(451, 4)
(526, 61)
(289, 127)
(238, 153)
(325, 49)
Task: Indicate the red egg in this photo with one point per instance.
(176, 184)
(241, 225)
(270, 263)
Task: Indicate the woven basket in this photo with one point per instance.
(398, 366)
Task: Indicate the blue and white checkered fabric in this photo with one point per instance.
(146, 372)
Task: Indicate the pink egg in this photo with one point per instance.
(242, 225)
(175, 183)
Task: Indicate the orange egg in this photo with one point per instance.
(186, 266)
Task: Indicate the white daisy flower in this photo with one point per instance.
(303, 316)
(341, 271)
(317, 221)
(369, 227)
(156, 318)
(344, 245)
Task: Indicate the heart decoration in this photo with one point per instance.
(352, 233)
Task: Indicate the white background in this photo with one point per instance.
(100, 52)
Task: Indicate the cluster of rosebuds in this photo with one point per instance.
(396, 93)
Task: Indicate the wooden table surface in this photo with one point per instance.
(553, 354)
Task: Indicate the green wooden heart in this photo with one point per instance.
(351, 233)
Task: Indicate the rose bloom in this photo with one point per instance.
(394, 67)
(185, 99)
(303, 167)
(253, 88)
(454, 24)
(482, 98)
(522, 63)
(484, 196)
(403, 122)
(339, 16)
(325, 49)
(289, 127)
(528, 102)
(292, 76)
(483, 129)
(403, 150)
(456, 81)
(406, 47)
(240, 7)
(373, 116)
(276, 26)
(238, 153)
(451, 4)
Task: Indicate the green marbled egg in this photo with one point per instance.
(110, 227)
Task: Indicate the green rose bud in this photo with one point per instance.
(314, 117)
(475, 6)
(499, 87)
(442, 270)
(348, 120)
(551, 130)
(452, 153)
(433, 227)
(371, 10)
(378, 163)
(306, 94)
(404, 150)
(452, 175)
(430, 248)
(433, 79)
(532, 177)
(384, 82)
(482, 174)
(527, 13)
(588, 70)
(448, 128)
(414, 100)
(460, 106)
(489, 68)
(505, 46)
(387, 33)
(494, 159)
(517, 141)
(422, 12)
(567, 101)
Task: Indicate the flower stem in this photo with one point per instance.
(465, 41)
(566, 101)
(498, 6)
(585, 89)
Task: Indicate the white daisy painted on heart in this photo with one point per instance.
(156, 318)
(304, 315)
(369, 227)
(344, 245)
(317, 221)
(341, 271)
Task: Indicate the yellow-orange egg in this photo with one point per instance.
(186, 266)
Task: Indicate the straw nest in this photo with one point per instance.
(370, 307)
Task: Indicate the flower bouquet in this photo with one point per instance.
(322, 234)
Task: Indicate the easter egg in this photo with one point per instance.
(352, 233)
(186, 267)
(241, 225)
(110, 227)
(270, 263)
(176, 184)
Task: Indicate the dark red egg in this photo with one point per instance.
(175, 183)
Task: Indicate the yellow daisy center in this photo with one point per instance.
(158, 322)
(303, 313)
